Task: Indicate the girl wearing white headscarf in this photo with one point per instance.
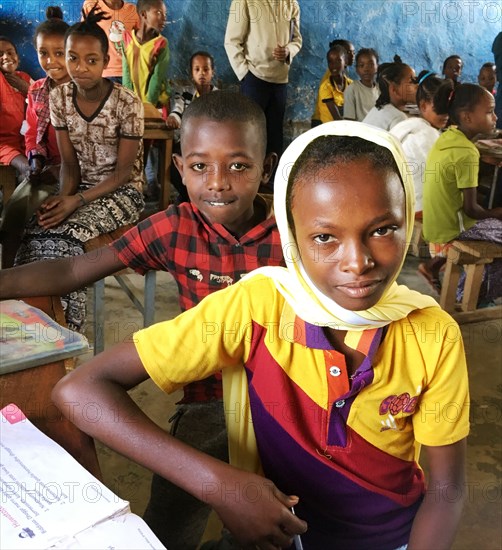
(341, 439)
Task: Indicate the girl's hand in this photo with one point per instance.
(56, 209)
(17, 82)
(172, 123)
(254, 510)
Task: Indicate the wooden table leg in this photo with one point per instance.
(165, 172)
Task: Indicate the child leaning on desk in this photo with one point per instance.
(226, 231)
(145, 61)
(345, 373)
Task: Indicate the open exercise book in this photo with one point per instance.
(48, 500)
(29, 337)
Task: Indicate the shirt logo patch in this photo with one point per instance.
(393, 405)
(195, 274)
(221, 279)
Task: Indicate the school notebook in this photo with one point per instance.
(29, 337)
(48, 500)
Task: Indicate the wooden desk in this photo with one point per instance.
(155, 128)
(31, 389)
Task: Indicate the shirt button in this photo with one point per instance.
(340, 404)
(335, 371)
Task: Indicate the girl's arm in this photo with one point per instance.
(56, 209)
(37, 150)
(104, 381)
(437, 519)
(474, 210)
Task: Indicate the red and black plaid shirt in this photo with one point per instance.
(202, 258)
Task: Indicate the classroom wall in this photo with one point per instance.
(423, 33)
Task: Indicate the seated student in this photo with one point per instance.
(418, 134)
(144, 69)
(99, 129)
(122, 16)
(225, 231)
(322, 356)
(452, 68)
(360, 97)
(349, 60)
(40, 138)
(201, 73)
(398, 86)
(330, 94)
(14, 86)
(487, 77)
(451, 208)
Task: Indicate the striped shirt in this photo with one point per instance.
(346, 445)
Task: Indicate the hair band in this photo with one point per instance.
(426, 75)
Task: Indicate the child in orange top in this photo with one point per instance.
(122, 16)
(13, 89)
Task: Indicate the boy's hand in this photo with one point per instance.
(280, 53)
(172, 123)
(256, 513)
(56, 209)
(17, 82)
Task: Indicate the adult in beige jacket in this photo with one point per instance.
(261, 39)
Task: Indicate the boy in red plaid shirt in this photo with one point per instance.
(224, 232)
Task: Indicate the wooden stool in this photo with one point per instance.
(473, 256)
(418, 246)
(144, 304)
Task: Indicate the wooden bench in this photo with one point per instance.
(472, 256)
(145, 304)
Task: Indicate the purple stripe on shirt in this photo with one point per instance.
(329, 500)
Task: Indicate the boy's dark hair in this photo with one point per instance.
(337, 48)
(368, 52)
(5, 39)
(463, 98)
(450, 58)
(428, 86)
(54, 24)
(326, 151)
(389, 73)
(488, 65)
(145, 5)
(226, 106)
(89, 27)
(202, 53)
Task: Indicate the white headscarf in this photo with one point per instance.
(308, 302)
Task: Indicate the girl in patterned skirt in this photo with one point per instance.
(99, 129)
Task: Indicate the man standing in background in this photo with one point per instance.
(261, 39)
